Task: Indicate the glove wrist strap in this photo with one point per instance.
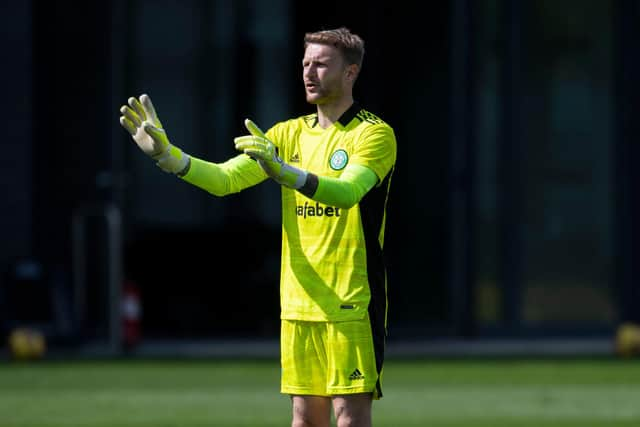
(292, 177)
(173, 160)
(310, 185)
(186, 169)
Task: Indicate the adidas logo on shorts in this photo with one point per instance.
(356, 375)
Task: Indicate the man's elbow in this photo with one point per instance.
(347, 203)
(217, 190)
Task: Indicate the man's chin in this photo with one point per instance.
(315, 99)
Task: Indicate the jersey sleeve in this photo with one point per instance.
(346, 191)
(220, 179)
(278, 134)
(376, 150)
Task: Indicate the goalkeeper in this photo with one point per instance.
(335, 169)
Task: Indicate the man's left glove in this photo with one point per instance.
(139, 118)
(258, 147)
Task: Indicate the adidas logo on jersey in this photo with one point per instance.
(295, 158)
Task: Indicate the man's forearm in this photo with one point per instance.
(220, 179)
(343, 192)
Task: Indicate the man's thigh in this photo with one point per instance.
(303, 358)
(329, 358)
(352, 361)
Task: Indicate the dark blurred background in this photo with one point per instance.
(514, 210)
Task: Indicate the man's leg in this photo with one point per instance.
(353, 410)
(311, 411)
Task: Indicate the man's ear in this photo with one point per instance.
(352, 72)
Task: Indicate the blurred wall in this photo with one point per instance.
(514, 199)
(16, 134)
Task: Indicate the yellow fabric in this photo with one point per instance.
(328, 358)
(346, 191)
(324, 271)
(220, 179)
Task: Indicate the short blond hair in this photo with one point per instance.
(349, 44)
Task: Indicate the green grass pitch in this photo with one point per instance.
(190, 393)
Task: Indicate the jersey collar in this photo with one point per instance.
(349, 115)
(344, 119)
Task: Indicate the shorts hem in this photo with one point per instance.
(351, 390)
(300, 391)
(295, 391)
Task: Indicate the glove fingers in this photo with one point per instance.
(257, 149)
(246, 147)
(251, 141)
(243, 138)
(156, 133)
(131, 116)
(137, 107)
(253, 153)
(243, 142)
(150, 110)
(128, 125)
(254, 129)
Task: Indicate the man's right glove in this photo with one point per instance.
(259, 147)
(139, 118)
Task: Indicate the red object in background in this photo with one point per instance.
(131, 314)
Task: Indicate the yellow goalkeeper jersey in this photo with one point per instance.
(332, 258)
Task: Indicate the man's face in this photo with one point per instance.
(324, 73)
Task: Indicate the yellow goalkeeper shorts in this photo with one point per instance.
(329, 358)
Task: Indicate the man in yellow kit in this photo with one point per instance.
(335, 169)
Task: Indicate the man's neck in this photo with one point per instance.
(329, 113)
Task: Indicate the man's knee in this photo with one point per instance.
(308, 421)
(298, 422)
(353, 411)
(310, 411)
(349, 419)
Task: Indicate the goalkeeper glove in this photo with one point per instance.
(258, 146)
(139, 118)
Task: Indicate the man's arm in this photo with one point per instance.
(140, 119)
(220, 179)
(343, 192)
